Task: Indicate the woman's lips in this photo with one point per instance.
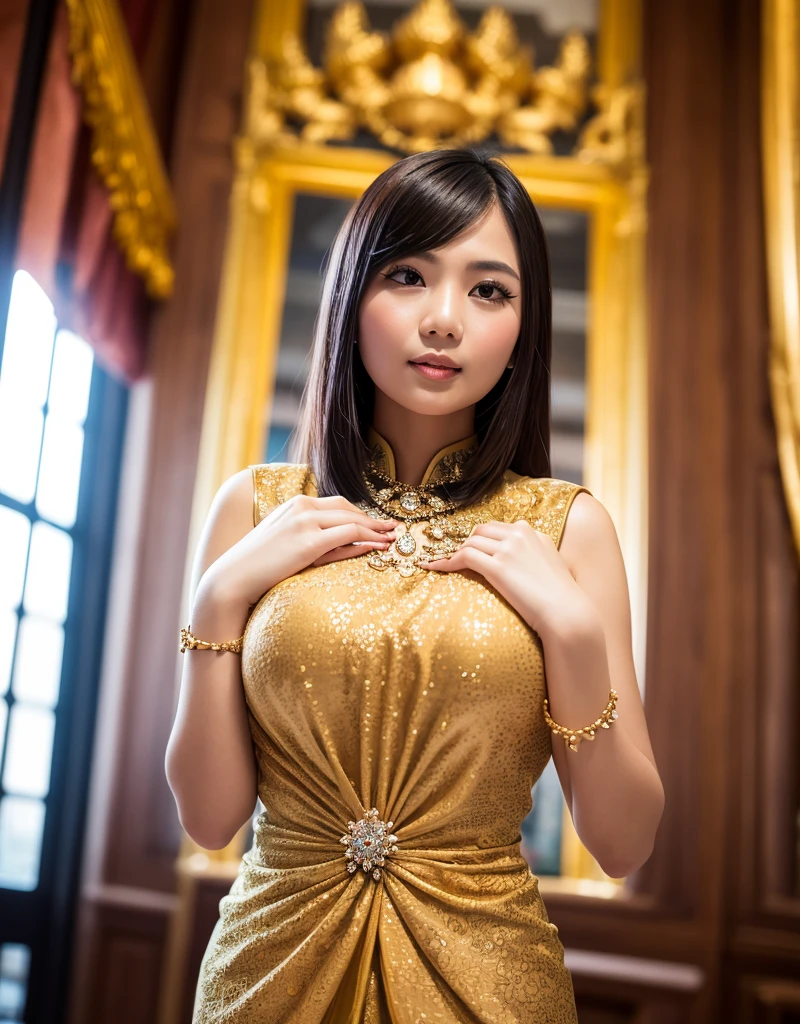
(436, 372)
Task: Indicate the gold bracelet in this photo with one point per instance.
(572, 737)
(191, 643)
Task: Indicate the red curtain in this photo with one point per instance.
(65, 240)
(12, 29)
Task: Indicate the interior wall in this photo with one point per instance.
(722, 640)
(127, 891)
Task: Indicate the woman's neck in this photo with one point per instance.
(415, 439)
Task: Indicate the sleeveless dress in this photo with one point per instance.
(419, 696)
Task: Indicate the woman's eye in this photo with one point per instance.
(486, 288)
(489, 286)
(406, 275)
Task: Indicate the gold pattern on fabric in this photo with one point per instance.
(421, 697)
(438, 466)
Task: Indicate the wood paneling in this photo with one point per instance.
(720, 890)
(134, 834)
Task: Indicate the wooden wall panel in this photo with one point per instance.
(134, 834)
(723, 675)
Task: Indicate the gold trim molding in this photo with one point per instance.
(431, 83)
(124, 147)
(780, 108)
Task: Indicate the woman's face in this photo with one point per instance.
(459, 304)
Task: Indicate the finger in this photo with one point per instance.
(491, 545)
(335, 517)
(349, 550)
(492, 529)
(487, 544)
(338, 501)
(464, 558)
(347, 533)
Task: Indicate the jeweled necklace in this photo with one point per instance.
(413, 504)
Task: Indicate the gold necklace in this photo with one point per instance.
(444, 527)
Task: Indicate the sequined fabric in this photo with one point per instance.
(421, 697)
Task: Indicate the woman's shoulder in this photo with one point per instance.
(276, 482)
(544, 501)
(545, 486)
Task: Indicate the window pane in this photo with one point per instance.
(3, 720)
(20, 441)
(71, 378)
(15, 530)
(8, 633)
(60, 472)
(29, 342)
(49, 566)
(29, 750)
(37, 670)
(15, 965)
(21, 828)
(541, 828)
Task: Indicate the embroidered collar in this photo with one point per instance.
(444, 467)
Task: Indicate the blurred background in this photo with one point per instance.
(173, 174)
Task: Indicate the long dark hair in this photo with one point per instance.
(422, 202)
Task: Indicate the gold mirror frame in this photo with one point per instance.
(609, 188)
(780, 97)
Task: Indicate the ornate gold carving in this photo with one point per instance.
(431, 83)
(780, 107)
(559, 99)
(124, 147)
(615, 135)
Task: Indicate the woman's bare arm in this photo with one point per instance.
(209, 762)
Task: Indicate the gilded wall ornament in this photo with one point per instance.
(429, 83)
(124, 146)
(615, 135)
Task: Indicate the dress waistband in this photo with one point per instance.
(276, 846)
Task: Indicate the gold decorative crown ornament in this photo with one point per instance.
(430, 83)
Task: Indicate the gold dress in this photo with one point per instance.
(420, 696)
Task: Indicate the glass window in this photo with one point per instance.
(15, 960)
(45, 381)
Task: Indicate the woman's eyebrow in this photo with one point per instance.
(494, 265)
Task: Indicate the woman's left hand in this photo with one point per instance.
(525, 567)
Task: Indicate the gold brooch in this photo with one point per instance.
(369, 842)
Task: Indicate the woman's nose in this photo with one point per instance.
(443, 318)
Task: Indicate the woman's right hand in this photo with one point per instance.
(298, 533)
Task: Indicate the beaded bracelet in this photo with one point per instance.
(572, 737)
(191, 643)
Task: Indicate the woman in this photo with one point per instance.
(393, 593)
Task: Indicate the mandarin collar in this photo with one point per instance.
(434, 468)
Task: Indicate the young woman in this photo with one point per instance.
(393, 594)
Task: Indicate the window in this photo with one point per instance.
(61, 422)
(44, 398)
